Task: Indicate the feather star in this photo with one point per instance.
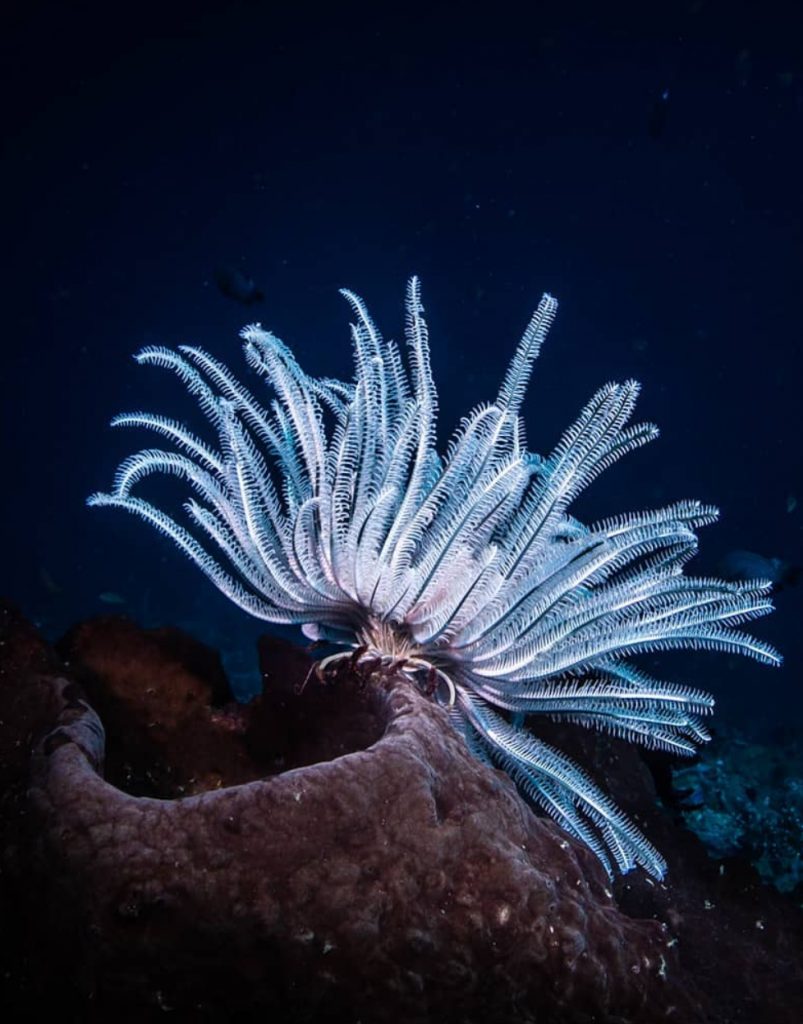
(330, 507)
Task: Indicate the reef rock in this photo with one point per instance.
(327, 853)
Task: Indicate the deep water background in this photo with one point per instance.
(643, 163)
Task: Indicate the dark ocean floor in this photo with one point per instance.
(331, 852)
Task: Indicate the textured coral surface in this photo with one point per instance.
(331, 855)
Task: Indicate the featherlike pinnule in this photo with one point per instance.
(327, 504)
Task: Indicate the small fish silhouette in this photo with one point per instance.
(747, 565)
(236, 285)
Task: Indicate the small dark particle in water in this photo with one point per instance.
(236, 285)
(656, 125)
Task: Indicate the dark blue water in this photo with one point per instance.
(642, 165)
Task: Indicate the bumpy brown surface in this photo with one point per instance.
(332, 856)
